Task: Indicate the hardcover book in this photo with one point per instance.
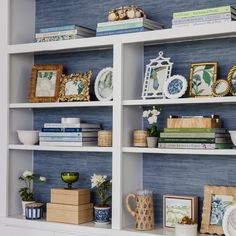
(194, 146)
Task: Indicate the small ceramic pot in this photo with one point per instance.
(102, 215)
(185, 230)
(34, 211)
(24, 203)
(152, 142)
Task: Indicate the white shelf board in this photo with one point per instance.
(84, 229)
(212, 31)
(206, 100)
(223, 152)
(62, 104)
(59, 148)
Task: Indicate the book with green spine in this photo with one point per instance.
(204, 12)
(195, 130)
(195, 145)
(194, 140)
(195, 135)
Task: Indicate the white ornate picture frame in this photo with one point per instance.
(175, 86)
(157, 73)
(103, 86)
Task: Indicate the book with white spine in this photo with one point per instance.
(68, 134)
(80, 125)
(69, 144)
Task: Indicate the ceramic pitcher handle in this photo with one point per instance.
(128, 205)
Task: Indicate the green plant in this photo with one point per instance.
(26, 192)
(102, 185)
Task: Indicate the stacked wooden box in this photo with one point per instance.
(70, 206)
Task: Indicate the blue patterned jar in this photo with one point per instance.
(102, 215)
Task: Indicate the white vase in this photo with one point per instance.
(24, 203)
(185, 230)
(152, 142)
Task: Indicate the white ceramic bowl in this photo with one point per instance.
(185, 230)
(233, 137)
(28, 137)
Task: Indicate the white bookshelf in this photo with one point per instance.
(17, 58)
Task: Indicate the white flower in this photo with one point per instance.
(151, 120)
(97, 180)
(42, 179)
(155, 112)
(154, 118)
(27, 173)
(146, 114)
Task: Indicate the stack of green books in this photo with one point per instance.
(195, 138)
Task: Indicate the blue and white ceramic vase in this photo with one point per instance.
(102, 215)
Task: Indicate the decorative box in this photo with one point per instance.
(195, 122)
(70, 214)
(34, 211)
(70, 196)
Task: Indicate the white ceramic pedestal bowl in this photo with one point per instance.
(28, 137)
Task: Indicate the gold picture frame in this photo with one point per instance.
(75, 87)
(189, 204)
(221, 88)
(202, 77)
(212, 215)
(232, 80)
(45, 83)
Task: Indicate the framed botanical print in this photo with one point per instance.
(45, 83)
(175, 208)
(232, 80)
(216, 200)
(75, 87)
(202, 77)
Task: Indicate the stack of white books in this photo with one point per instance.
(73, 135)
(63, 33)
(205, 16)
(127, 26)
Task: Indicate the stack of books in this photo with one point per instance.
(205, 16)
(73, 135)
(63, 33)
(126, 26)
(195, 138)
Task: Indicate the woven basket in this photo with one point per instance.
(105, 138)
(140, 138)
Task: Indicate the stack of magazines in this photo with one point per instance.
(195, 138)
(73, 135)
(205, 16)
(127, 26)
(63, 33)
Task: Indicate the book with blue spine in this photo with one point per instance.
(65, 28)
(68, 134)
(125, 31)
(65, 130)
(67, 139)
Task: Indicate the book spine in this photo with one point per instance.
(202, 23)
(65, 28)
(187, 135)
(194, 130)
(69, 126)
(67, 139)
(202, 18)
(113, 32)
(57, 38)
(194, 146)
(60, 134)
(187, 140)
(60, 33)
(61, 130)
(68, 144)
(208, 11)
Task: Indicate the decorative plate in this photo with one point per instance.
(175, 86)
(229, 221)
(104, 84)
(221, 88)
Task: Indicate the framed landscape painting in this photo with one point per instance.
(202, 77)
(175, 208)
(216, 200)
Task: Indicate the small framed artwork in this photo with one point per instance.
(157, 73)
(232, 80)
(221, 88)
(216, 201)
(175, 208)
(45, 83)
(75, 87)
(104, 84)
(202, 77)
(175, 86)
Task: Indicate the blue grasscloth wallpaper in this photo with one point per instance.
(164, 174)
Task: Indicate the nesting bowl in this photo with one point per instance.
(28, 137)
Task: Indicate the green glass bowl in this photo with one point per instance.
(69, 178)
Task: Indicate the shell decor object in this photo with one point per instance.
(229, 221)
(125, 13)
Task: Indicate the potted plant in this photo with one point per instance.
(187, 227)
(151, 116)
(26, 193)
(102, 211)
